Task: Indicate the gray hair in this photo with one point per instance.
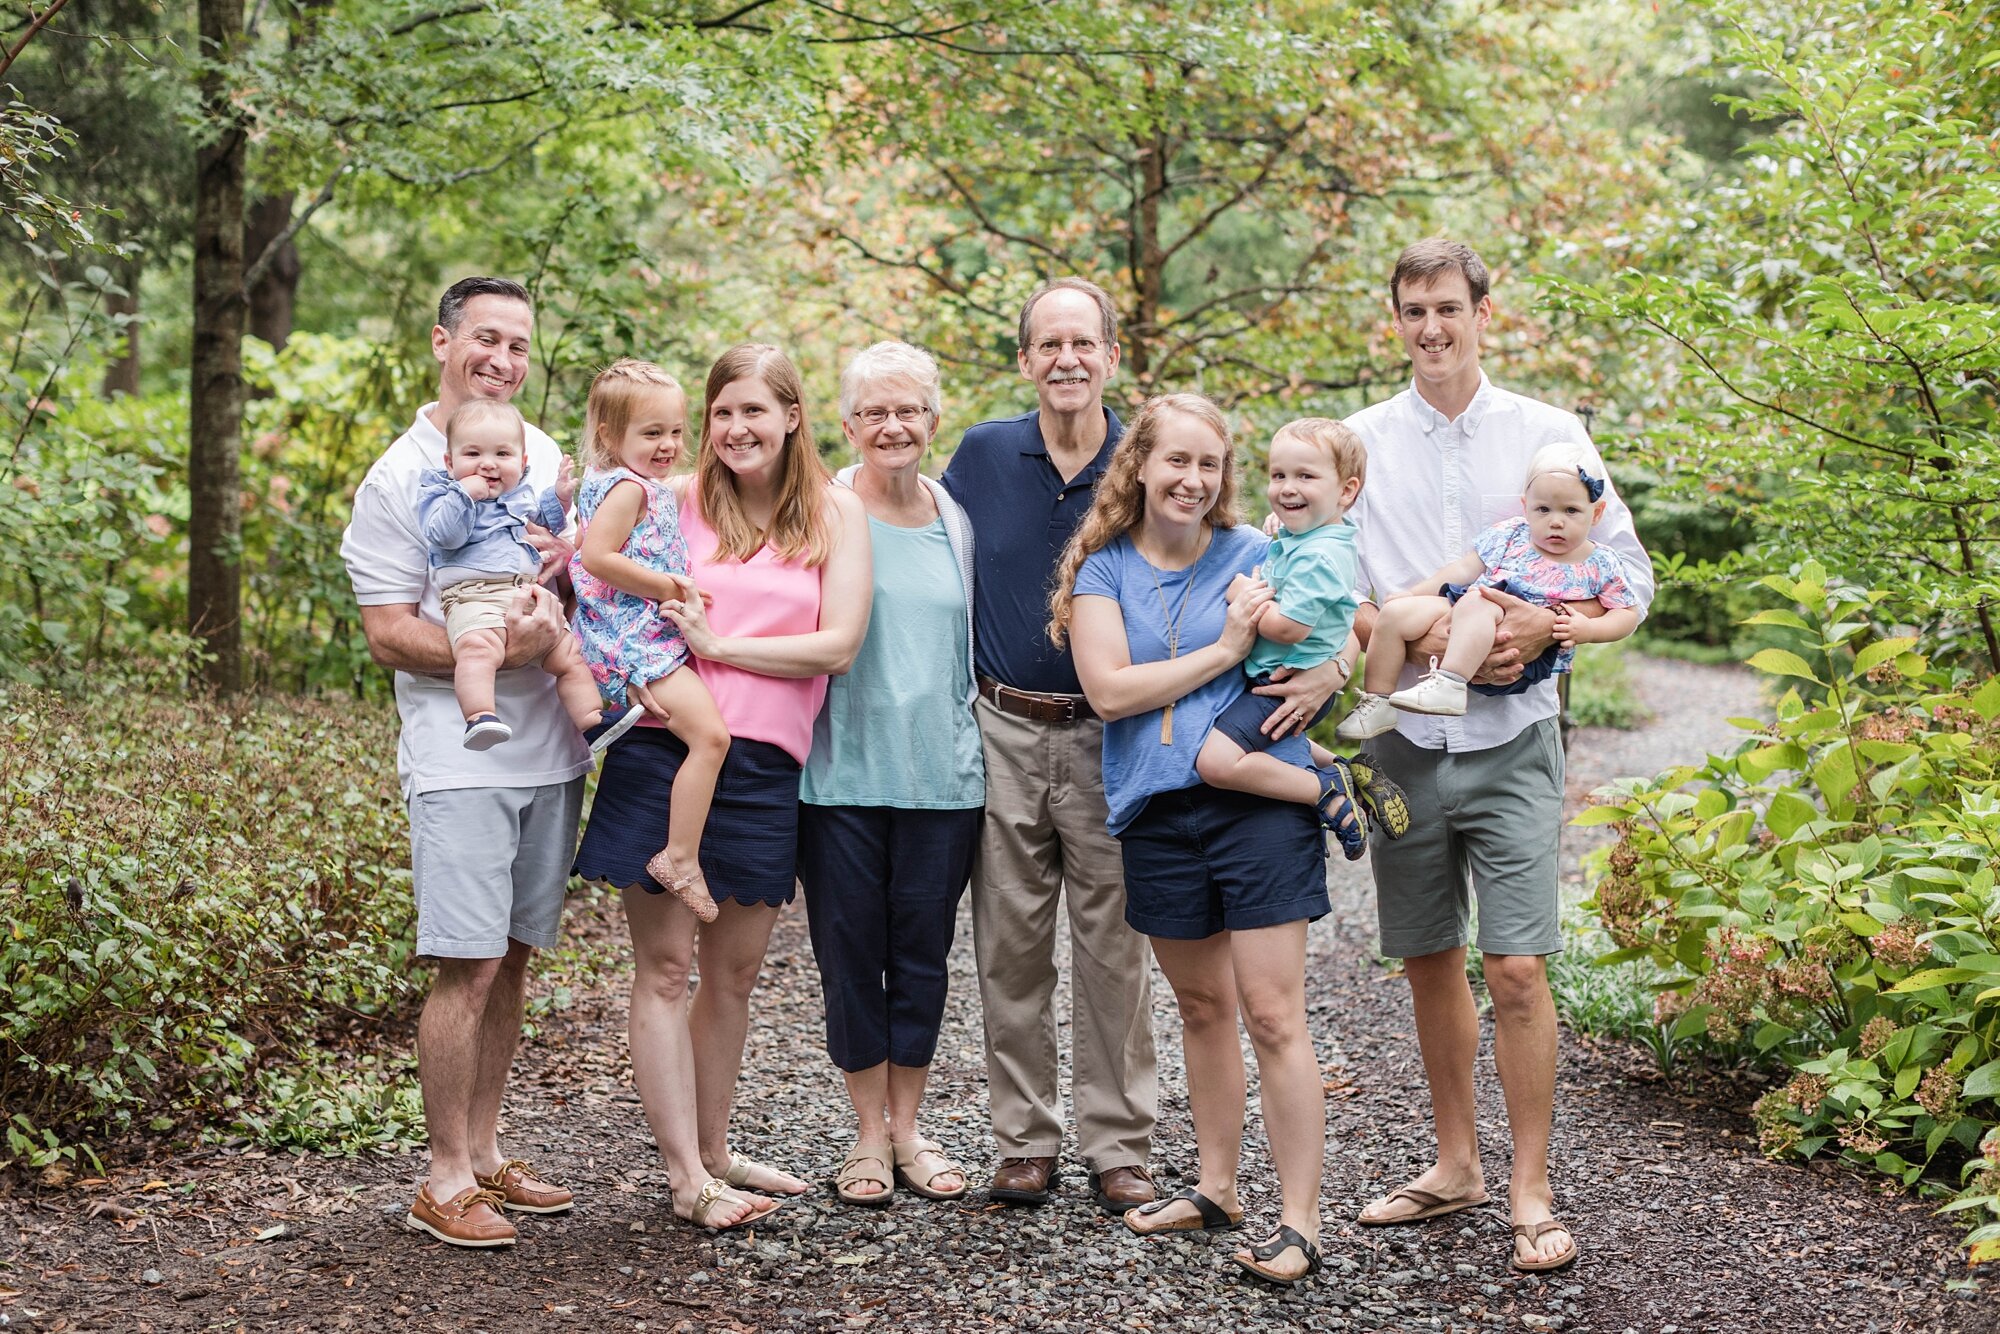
(451, 306)
(1105, 310)
(892, 360)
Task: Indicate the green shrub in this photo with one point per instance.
(186, 887)
(1828, 893)
(1600, 689)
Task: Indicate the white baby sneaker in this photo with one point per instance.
(1435, 694)
(1370, 718)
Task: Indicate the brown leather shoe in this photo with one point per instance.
(1023, 1180)
(469, 1218)
(522, 1189)
(1122, 1188)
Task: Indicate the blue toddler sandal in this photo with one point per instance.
(1344, 815)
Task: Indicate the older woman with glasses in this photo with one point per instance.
(894, 784)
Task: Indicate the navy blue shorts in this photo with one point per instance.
(882, 889)
(1541, 669)
(749, 849)
(1243, 720)
(1201, 860)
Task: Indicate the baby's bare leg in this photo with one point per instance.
(1224, 764)
(575, 686)
(475, 658)
(1401, 622)
(1474, 622)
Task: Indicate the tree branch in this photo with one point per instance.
(34, 27)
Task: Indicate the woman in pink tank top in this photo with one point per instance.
(784, 554)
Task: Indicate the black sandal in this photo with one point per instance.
(1213, 1215)
(1345, 817)
(1281, 1241)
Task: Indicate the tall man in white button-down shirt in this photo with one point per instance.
(1447, 458)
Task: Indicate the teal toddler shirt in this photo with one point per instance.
(897, 729)
(1313, 575)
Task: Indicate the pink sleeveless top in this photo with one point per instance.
(760, 596)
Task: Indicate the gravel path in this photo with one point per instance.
(1683, 1226)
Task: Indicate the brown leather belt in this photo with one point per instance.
(1036, 708)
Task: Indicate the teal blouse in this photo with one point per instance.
(898, 729)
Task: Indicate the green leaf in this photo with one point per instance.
(1771, 1035)
(1986, 700)
(1861, 924)
(1983, 1082)
(1597, 815)
(1906, 1080)
(1938, 977)
(1783, 662)
(1778, 616)
(1788, 813)
(1880, 652)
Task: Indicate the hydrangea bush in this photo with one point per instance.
(1827, 892)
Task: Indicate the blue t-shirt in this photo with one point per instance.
(1313, 577)
(1136, 765)
(1022, 514)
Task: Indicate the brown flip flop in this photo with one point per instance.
(1429, 1206)
(1534, 1233)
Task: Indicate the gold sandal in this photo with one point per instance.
(713, 1193)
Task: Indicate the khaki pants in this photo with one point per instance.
(1044, 836)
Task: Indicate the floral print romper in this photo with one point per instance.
(624, 637)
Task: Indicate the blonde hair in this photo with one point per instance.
(1120, 501)
(614, 395)
(476, 410)
(799, 521)
(1342, 447)
(1565, 457)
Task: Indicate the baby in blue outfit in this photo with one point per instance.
(473, 513)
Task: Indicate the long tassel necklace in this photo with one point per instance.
(1172, 618)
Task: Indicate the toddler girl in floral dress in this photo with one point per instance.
(630, 557)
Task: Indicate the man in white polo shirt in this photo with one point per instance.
(492, 832)
(1447, 458)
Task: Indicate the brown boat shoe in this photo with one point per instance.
(469, 1218)
(522, 1189)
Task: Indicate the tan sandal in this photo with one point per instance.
(689, 889)
(1532, 1233)
(907, 1154)
(865, 1165)
(714, 1192)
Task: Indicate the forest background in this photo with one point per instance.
(1752, 243)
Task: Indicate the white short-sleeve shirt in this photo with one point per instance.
(388, 564)
(1434, 485)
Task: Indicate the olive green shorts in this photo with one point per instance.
(1483, 822)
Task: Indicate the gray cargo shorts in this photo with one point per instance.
(491, 864)
(1483, 822)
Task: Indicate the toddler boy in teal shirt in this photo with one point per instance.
(1317, 467)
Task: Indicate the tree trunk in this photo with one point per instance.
(215, 417)
(275, 297)
(122, 375)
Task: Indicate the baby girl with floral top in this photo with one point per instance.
(1545, 557)
(631, 557)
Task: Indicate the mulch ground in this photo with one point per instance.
(1682, 1224)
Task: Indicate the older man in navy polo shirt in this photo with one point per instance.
(1026, 483)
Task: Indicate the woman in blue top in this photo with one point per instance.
(893, 786)
(1157, 596)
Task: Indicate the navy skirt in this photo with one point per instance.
(749, 850)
